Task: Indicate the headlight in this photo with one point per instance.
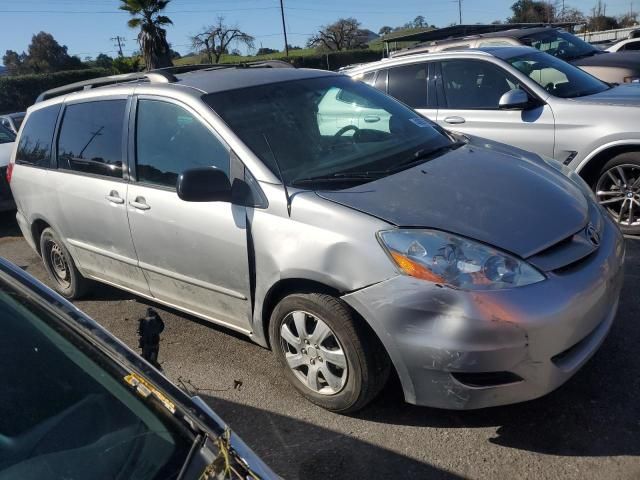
(634, 79)
(441, 257)
(572, 175)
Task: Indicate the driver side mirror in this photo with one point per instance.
(207, 184)
(514, 100)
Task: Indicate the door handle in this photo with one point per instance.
(140, 203)
(114, 197)
(371, 118)
(454, 120)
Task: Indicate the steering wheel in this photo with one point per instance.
(346, 129)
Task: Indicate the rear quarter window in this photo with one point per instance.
(34, 147)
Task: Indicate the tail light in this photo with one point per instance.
(9, 172)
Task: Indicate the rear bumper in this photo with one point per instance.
(447, 345)
(6, 198)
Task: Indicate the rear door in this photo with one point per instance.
(193, 254)
(91, 188)
(469, 92)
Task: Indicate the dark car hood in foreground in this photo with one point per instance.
(519, 205)
(627, 95)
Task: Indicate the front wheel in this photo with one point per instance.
(618, 190)
(325, 352)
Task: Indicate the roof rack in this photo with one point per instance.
(153, 76)
(159, 75)
(457, 32)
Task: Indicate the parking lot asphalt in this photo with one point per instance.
(588, 428)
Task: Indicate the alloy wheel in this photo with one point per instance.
(313, 353)
(618, 190)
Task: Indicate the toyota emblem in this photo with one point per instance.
(593, 235)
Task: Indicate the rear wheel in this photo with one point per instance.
(618, 190)
(66, 278)
(326, 353)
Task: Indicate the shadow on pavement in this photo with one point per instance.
(297, 449)
(8, 225)
(596, 413)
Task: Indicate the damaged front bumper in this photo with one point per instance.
(459, 349)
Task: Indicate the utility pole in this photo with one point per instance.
(120, 41)
(460, 11)
(284, 29)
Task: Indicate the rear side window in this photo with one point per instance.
(409, 84)
(632, 46)
(368, 78)
(6, 135)
(90, 138)
(170, 140)
(34, 147)
(381, 81)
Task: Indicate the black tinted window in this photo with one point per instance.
(409, 84)
(90, 138)
(170, 140)
(6, 135)
(381, 81)
(472, 84)
(34, 147)
(632, 46)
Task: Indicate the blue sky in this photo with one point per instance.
(86, 26)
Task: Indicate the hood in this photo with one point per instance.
(518, 204)
(626, 95)
(6, 149)
(629, 60)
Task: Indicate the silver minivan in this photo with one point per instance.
(262, 200)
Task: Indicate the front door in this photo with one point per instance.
(194, 255)
(91, 192)
(470, 92)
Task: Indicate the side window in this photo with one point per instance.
(470, 84)
(409, 84)
(368, 78)
(90, 139)
(170, 140)
(381, 81)
(34, 147)
(6, 135)
(494, 43)
(632, 46)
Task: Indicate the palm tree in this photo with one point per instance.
(152, 37)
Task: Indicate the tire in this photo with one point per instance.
(66, 278)
(622, 202)
(366, 362)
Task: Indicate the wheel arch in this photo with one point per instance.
(588, 169)
(281, 289)
(38, 225)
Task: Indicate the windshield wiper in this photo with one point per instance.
(419, 156)
(336, 177)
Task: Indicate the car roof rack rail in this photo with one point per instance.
(159, 75)
(153, 76)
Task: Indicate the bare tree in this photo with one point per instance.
(216, 39)
(343, 34)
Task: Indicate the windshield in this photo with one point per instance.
(325, 128)
(556, 76)
(560, 44)
(6, 135)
